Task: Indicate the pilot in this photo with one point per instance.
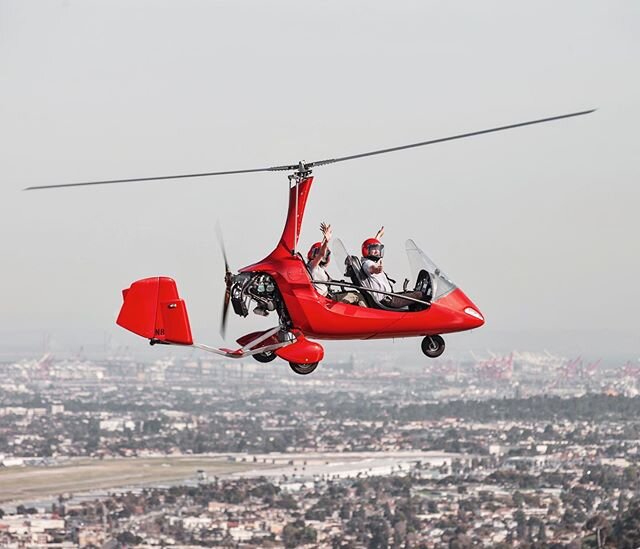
(376, 279)
(318, 257)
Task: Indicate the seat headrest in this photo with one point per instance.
(352, 264)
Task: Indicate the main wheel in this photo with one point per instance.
(433, 346)
(303, 369)
(264, 357)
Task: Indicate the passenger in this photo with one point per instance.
(318, 257)
(377, 279)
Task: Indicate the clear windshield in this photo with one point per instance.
(419, 261)
(338, 259)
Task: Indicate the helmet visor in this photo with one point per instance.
(375, 250)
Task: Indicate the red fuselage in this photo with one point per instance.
(322, 318)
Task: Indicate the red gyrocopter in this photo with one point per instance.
(281, 283)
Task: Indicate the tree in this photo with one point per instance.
(630, 477)
(542, 533)
(521, 524)
(345, 511)
(128, 538)
(297, 533)
(518, 499)
(379, 530)
(626, 528)
(599, 525)
(460, 541)
(287, 501)
(622, 501)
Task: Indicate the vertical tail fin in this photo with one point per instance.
(152, 309)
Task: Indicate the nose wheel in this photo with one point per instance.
(433, 346)
(303, 369)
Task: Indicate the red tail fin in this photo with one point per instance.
(152, 309)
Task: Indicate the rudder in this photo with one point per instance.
(152, 309)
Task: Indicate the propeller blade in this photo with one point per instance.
(443, 139)
(302, 166)
(222, 247)
(227, 281)
(225, 311)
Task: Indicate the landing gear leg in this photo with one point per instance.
(433, 346)
(303, 369)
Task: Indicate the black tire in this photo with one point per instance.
(264, 357)
(433, 346)
(303, 369)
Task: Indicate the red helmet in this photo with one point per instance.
(372, 248)
(315, 250)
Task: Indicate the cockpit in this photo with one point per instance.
(429, 282)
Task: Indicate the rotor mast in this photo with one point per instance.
(302, 172)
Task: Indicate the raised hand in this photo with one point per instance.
(325, 229)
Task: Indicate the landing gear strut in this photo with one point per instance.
(303, 369)
(433, 346)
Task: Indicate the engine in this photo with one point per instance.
(257, 287)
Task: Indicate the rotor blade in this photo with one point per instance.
(302, 166)
(161, 177)
(443, 139)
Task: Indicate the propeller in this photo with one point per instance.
(228, 277)
(305, 166)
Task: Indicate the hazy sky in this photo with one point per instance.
(539, 226)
